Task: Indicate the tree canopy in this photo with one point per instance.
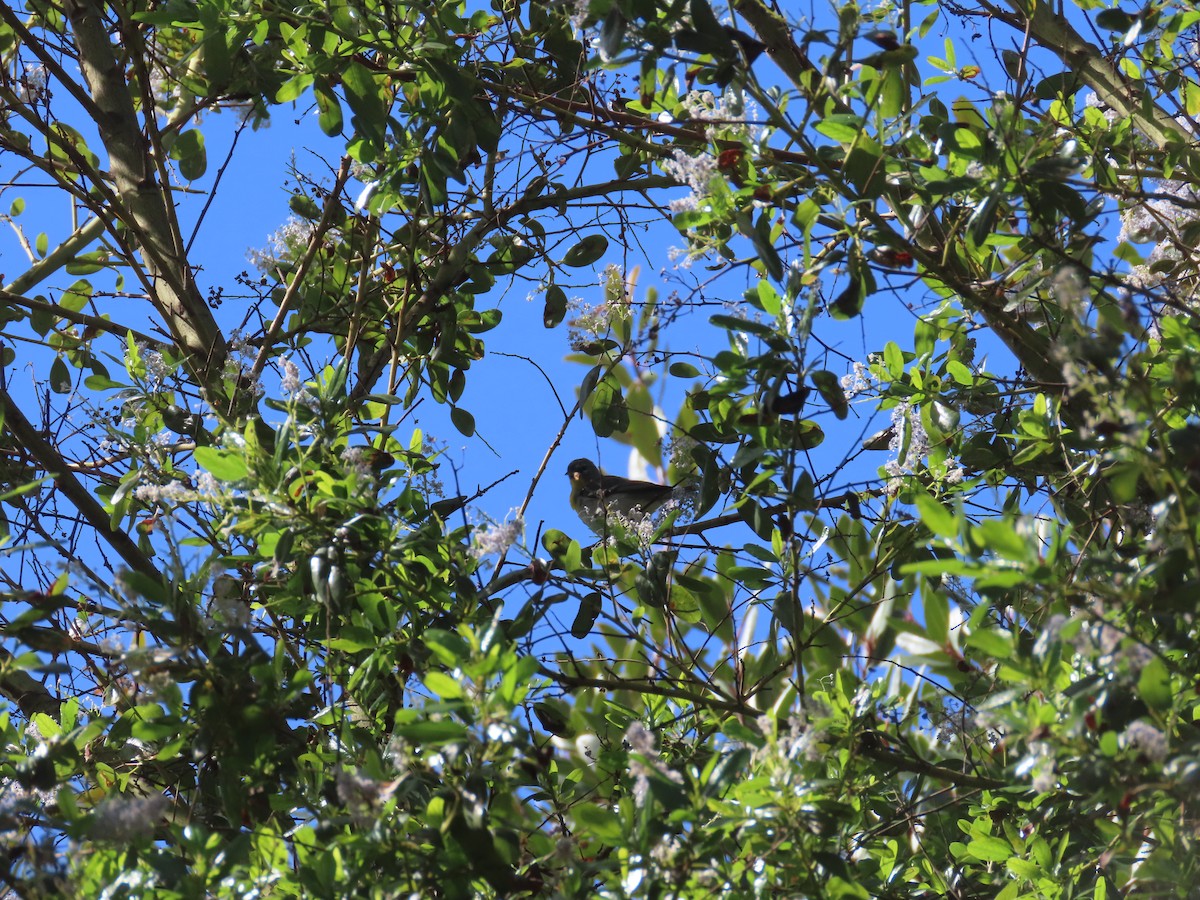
(921, 617)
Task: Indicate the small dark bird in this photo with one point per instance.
(597, 497)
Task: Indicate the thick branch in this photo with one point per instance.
(1124, 96)
(906, 763)
(28, 437)
(57, 258)
(657, 688)
(175, 294)
(24, 690)
(79, 318)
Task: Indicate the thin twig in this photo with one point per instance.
(310, 252)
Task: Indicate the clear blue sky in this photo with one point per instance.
(513, 405)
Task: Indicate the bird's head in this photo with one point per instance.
(583, 471)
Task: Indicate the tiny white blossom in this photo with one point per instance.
(496, 539)
(121, 818)
(289, 239)
(1146, 739)
(858, 381)
(33, 85)
(696, 172)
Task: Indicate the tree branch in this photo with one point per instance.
(65, 481)
(58, 257)
(1123, 95)
(174, 293)
(79, 318)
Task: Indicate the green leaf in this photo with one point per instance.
(757, 518)
(990, 849)
(77, 296)
(60, 376)
(991, 643)
(447, 646)
(564, 551)
(586, 252)
(304, 206)
(849, 303)
(188, 151)
(510, 257)
(1154, 684)
(365, 97)
(101, 383)
(588, 385)
(431, 732)
(960, 373)
(844, 129)
(937, 618)
(936, 517)
(1001, 538)
(596, 822)
(894, 93)
(329, 108)
(223, 465)
(292, 88)
(760, 236)
(442, 685)
(612, 33)
(556, 306)
(831, 390)
(553, 717)
(1115, 19)
(463, 421)
(88, 263)
(589, 611)
(609, 412)
(765, 296)
(864, 168)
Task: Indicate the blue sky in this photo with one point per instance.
(514, 406)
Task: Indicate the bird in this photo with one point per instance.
(603, 501)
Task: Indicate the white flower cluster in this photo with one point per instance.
(696, 172)
(1170, 206)
(908, 437)
(291, 237)
(1156, 217)
(34, 85)
(1144, 738)
(644, 761)
(677, 448)
(122, 818)
(164, 494)
(594, 322)
(157, 371)
(858, 381)
(239, 364)
(706, 106)
(294, 388)
(731, 116)
(496, 539)
(358, 460)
